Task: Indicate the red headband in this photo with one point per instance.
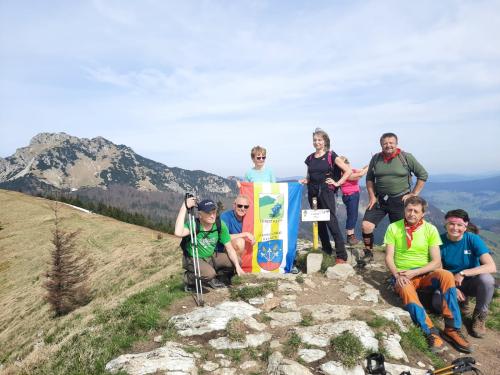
(456, 220)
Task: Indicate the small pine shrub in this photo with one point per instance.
(67, 277)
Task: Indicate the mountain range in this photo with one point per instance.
(60, 161)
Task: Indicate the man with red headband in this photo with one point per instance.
(413, 257)
(389, 184)
(467, 257)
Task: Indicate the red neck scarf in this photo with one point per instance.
(387, 159)
(409, 231)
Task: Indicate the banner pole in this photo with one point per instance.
(315, 225)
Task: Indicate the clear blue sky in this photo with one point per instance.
(196, 84)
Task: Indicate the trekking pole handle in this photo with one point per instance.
(186, 197)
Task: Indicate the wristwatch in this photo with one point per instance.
(461, 273)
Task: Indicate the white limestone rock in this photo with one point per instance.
(210, 366)
(284, 319)
(311, 355)
(275, 344)
(256, 301)
(277, 365)
(289, 287)
(340, 272)
(226, 371)
(320, 335)
(350, 289)
(398, 369)
(393, 347)
(289, 305)
(170, 358)
(370, 295)
(225, 362)
(252, 340)
(253, 324)
(325, 312)
(395, 314)
(248, 365)
(209, 319)
(336, 368)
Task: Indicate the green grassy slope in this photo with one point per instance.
(127, 259)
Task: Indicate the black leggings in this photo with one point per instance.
(326, 200)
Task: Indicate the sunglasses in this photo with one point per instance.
(245, 206)
(260, 158)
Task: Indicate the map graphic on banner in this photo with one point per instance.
(273, 218)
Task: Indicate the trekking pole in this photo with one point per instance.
(196, 259)
(458, 366)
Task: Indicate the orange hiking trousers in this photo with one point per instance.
(441, 280)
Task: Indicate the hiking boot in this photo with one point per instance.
(216, 284)
(478, 327)
(189, 288)
(340, 261)
(352, 240)
(457, 339)
(368, 256)
(294, 270)
(436, 345)
(465, 308)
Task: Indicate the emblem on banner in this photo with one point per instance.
(270, 254)
(271, 206)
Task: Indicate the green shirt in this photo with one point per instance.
(207, 240)
(418, 254)
(392, 178)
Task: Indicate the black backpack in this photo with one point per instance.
(187, 239)
(335, 171)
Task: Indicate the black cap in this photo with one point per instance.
(207, 205)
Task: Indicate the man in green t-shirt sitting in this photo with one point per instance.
(207, 238)
(414, 259)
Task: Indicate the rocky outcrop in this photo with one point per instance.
(294, 344)
(170, 358)
(210, 319)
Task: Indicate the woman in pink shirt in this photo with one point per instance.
(350, 197)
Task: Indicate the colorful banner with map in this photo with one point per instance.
(273, 218)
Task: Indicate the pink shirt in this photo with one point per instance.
(350, 186)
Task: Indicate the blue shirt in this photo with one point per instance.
(260, 175)
(464, 254)
(233, 224)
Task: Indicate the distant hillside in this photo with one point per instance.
(491, 184)
(480, 198)
(126, 259)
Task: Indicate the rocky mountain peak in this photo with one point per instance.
(68, 162)
(50, 139)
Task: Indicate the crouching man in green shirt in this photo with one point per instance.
(207, 235)
(413, 257)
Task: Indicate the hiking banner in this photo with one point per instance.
(273, 218)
